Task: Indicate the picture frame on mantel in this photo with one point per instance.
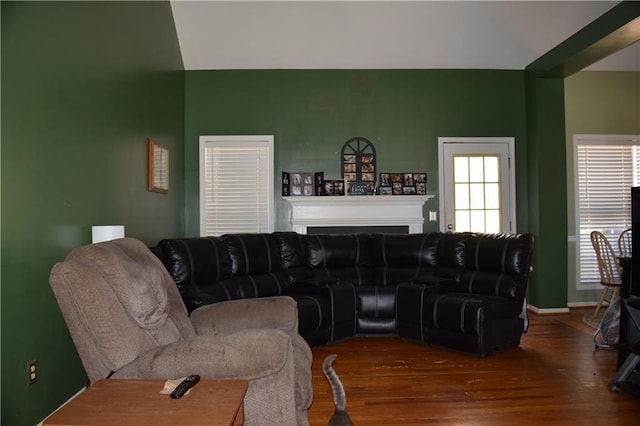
(158, 178)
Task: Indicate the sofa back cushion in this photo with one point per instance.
(292, 252)
(196, 261)
(342, 256)
(256, 264)
(293, 256)
(253, 253)
(452, 250)
(405, 249)
(399, 258)
(497, 265)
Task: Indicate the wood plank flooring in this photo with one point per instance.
(556, 376)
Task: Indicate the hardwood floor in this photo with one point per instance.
(556, 376)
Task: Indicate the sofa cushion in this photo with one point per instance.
(255, 264)
(343, 257)
(400, 258)
(497, 265)
(253, 253)
(376, 309)
(452, 250)
(499, 253)
(293, 256)
(292, 252)
(376, 301)
(197, 261)
(412, 250)
(337, 251)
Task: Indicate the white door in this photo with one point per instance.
(477, 184)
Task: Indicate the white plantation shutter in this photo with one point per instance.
(606, 167)
(236, 184)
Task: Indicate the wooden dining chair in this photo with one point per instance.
(609, 268)
(624, 243)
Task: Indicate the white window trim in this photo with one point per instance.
(593, 139)
(247, 140)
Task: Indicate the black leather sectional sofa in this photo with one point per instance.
(460, 291)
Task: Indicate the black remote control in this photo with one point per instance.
(184, 386)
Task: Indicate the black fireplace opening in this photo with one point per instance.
(382, 229)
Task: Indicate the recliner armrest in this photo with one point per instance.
(214, 356)
(278, 312)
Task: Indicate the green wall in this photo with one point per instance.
(596, 102)
(84, 84)
(312, 113)
(547, 191)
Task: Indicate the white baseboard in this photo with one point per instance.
(548, 310)
(582, 304)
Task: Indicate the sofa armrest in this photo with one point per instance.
(278, 312)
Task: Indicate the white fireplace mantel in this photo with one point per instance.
(370, 210)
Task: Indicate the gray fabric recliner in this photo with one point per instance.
(127, 320)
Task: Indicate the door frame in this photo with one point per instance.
(511, 167)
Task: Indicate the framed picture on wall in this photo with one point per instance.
(158, 179)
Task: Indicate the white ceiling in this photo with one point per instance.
(382, 34)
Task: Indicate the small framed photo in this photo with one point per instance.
(329, 187)
(286, 184)
(301, 184)
(408, 190)
(367, 167)
(421, 188)
(420, 177)
(385, 179)
(396, 188)
(349, 168)
(338, 187)
(385, 190)
(397, 178)
(350, 177)
(408, 179)
(367, 177)
(319, 183)
(349, 158)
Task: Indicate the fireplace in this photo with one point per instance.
(395, 213)
(387, 229)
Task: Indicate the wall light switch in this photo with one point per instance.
(433, 216)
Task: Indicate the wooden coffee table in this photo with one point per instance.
(138, 402)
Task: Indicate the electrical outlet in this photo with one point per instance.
(32, 372)
(433, 216)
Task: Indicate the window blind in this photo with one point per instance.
(236, 187)
(606, 169)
